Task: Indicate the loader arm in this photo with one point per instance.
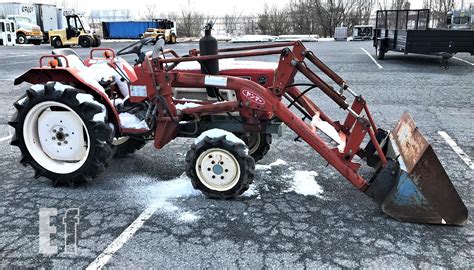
(404, 193)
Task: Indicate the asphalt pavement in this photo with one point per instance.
(142, 211)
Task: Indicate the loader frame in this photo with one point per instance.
(258, 104)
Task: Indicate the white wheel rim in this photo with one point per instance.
(33, 141)
(21, 40)
(218, 169)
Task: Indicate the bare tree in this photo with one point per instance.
(191, 23)
(231, 21)
(150, 11)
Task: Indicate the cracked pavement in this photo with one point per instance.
(272, 227)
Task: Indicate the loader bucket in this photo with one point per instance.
(413, 186)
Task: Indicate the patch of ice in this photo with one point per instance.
(217, 133)
(305, 184)
(277, 162)
(88, 98)
(37, 87)
(128, 120)
(187, 105)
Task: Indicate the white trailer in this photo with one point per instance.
(47, 18)
(7, 33)
(340, 33)
(24, 16)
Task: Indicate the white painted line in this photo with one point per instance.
(107, 254)
(373, 59)
(462, 60)
(457, 149)
(5, 138)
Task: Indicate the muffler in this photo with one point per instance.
(413, 186)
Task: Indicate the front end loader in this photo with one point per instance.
(409, 182)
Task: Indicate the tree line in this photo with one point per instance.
(319, 17)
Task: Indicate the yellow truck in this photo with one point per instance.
(165, 29)
(77, 32)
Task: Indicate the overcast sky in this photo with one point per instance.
(211, 7)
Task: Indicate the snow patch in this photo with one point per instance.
(277, 162)
(230, 64)
(252, 191)
(217, 133)
(188, 217)
(37, 87)
(187, 105)
(329, 130)
(21, 101)
(179, 187)
(88, 98)
(61, 87)
(305, 184)
(128, 120)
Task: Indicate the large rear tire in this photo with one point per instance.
(126, 146)
(86, 42)
(219, 168)
(62, 133)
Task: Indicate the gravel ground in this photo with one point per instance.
(272, 225)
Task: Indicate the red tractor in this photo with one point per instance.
(80, 113)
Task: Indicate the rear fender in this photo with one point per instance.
(69, 76)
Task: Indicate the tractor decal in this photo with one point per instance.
(253, 97)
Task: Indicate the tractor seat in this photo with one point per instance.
(94, 74)
(73, 58)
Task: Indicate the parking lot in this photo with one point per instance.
(142, 211)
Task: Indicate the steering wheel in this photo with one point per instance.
(135, 47)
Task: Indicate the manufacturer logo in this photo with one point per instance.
(253, 97)
(27, 9)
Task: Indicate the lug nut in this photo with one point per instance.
(60, 129)
(59, 143)
(53, 138)
(66, 134)
(54, 131)
(65, 142)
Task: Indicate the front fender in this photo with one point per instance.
(71, 77)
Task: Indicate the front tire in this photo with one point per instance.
(62, 133)
(219, 168)
(21, 39)
(56, 43)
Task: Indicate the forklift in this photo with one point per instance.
(78, 32)
(165, 29)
